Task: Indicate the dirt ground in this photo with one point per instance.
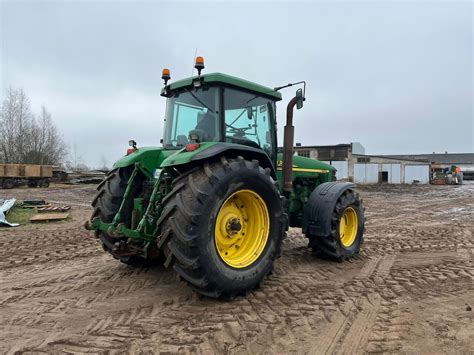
(409, 291)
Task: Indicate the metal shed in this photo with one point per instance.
(366, 173)
(342, 168)
(372, 169)
(417, 173)
(393, 173)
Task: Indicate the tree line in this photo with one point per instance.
(25, 137)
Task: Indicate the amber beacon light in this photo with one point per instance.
(166, 75)
(199, 64)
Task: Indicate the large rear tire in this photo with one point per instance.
(222, 227)
(107, 203)
(347, 230)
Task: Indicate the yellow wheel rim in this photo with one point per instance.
(348, 225)
(242, 229)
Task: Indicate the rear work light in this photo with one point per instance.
(191, 147)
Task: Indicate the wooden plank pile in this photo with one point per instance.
(46, 211)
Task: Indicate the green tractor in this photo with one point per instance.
(215, 201)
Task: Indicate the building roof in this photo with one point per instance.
(219, 78)
(447, 158)
(342, 145)
(395, 158)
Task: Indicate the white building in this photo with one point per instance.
(353, 164)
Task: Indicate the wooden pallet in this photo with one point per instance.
(46, 217)
(54, 209)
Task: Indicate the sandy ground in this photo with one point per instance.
(410, 290)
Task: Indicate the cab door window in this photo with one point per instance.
(248, 120)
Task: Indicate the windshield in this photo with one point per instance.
(192, 112)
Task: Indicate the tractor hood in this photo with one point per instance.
(307, 165)
(150, 158)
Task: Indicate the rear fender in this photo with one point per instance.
(320, 206)
(213, 151)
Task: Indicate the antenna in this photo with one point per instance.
(194, 60)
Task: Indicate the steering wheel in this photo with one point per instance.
(238, 131)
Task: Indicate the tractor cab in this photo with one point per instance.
(220, 108)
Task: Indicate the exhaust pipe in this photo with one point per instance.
(289, 134)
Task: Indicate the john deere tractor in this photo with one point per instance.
(215, 201)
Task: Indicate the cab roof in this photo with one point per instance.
(219, 78)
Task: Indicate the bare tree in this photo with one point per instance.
(23, 120)
(26, 138)
(7, 126)
(45, 144)
(15, 121)
(76, 159)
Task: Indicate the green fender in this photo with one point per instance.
(210, 150)
(149, 158)
(152, 158)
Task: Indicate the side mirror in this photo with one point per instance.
(300, 98)
(249, 112)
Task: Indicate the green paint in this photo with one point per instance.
(150, 158)
(219, 79)
(307, 175)
(306, 168)
(120, 229)
(130, 181)
(183, 157)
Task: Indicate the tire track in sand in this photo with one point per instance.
(349, 332)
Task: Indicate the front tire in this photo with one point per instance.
(107, 203)
(222, 227)
(347, 230)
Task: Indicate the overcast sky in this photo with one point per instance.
(394, 76)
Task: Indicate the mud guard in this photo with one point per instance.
(320, 206)
(245, 151)
(213, 150)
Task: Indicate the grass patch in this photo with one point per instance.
(20, 215)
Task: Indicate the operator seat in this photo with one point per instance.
(206, 127)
